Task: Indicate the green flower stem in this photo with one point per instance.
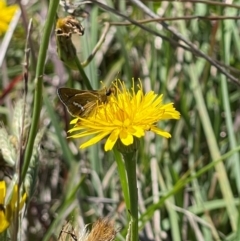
(38, 82)
(130, 163)
(123, 176)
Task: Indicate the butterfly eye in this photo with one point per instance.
(110, 91)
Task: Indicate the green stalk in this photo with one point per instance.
(122, 176)
(224, 183)
(38, 82)
(226, 43)
(130, 164)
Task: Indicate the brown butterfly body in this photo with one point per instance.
(81, 103)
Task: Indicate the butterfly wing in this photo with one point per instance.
(79, 103)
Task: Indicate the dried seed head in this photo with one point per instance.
(102, 230)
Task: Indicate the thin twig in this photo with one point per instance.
(194, 48)
(171, 40)
(98, 45)
(215, 3)
(190, 47)
(176, 19)
(26, 28)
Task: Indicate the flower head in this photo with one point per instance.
(7, 211)
(125, 116)
(6, 13)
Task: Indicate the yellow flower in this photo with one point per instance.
(126, 115)
(8, 211)
(6, 13)
(3, 221)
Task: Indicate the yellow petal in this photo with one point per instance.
(74, 121)
(94, 140)
(138, 131)
(3, 26)
(8, 13)
(160, 132)
(2, 192)
(86, 133)
(111, 140)
(126, 138)
(4, 224)
(2, 5)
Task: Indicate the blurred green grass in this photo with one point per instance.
(178, 198)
